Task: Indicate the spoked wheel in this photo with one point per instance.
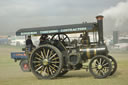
(62, 72)
(61, 37)
(46, 62)
(100, 66)
(114, 64)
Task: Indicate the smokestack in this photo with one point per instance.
(100, 28)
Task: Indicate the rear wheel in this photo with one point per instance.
(100, 66)
(46, 62)
(114, 64)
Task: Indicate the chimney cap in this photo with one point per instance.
(99, 17)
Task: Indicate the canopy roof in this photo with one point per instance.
(73, 28)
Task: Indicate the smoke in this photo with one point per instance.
(117, 14)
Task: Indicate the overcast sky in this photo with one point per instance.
(16, 14)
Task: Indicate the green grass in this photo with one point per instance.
(11, 74)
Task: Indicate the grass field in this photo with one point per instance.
(11, 74)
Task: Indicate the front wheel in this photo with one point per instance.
(46, 62)
(100, 66)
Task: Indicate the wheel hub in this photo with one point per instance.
(99, 67)
(45, 62)
(25, 66)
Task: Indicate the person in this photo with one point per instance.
(85, 38)
(43, 39)
(29, 43)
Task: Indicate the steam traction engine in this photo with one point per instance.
(59, 54)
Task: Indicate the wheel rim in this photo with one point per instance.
(45, 62)
(114, 64)
(61, 37)
(100, 67)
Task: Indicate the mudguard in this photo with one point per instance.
(18, 55)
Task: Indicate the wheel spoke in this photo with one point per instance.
(105, 64)
(35, 61)
(98, 71)
(55, 62)
(64, 38)
(51, 52)
(100, 61)
(47, 70)
(37, 65)
(52, 56)
(101, 72)
(55, 65)
(55, 58)
(42, 54)
(96, 62)
(47, 53)
(52, 68)
(39, 55)
(106, 70)
(42, 70)
(61, 37)
(106, 67)
(38, 68)
(38, 58)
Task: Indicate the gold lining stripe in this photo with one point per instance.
(94, 52)
(88, 53)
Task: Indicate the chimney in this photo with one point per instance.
(100, 28)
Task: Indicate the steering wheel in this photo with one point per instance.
(61, 37)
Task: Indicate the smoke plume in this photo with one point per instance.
(118, 15)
